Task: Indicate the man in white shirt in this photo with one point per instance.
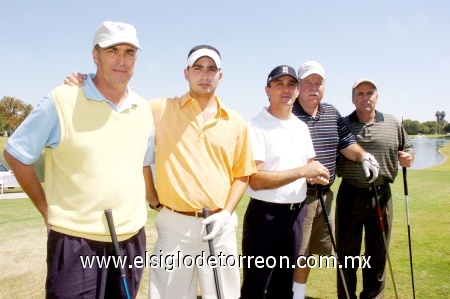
(273, 222)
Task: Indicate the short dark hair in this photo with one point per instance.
(203, 47)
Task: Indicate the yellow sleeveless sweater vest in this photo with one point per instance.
(96, 166)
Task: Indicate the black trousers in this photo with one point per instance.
(68, 278)
(356, 211)
(270, 231)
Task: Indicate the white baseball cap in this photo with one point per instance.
(113, 33)
(363, 80)
(309, 68)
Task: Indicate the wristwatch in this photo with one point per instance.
(155, 207)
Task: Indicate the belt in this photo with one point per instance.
(315, 192)
(291, 206)
(197, 214)
(370, 189)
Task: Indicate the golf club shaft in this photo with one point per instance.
(206, 214)
(405, 187)
(112, 231)
(327, 221)
(383, 232)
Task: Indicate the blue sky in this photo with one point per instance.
(404, 46)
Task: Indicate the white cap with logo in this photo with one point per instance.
(113, 33)
(310, 68)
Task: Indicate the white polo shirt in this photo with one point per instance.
(281, 145)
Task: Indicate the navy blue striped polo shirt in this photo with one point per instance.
(329, 134)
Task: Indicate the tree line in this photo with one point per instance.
(13, 111)
(440, 126)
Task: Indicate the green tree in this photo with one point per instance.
(447, 128)
(411, 126)
(423, 129)
(2, 125)
(433, 126)
(13, 111)
(440, 115)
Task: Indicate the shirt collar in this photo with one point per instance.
(353, 117)
(266, 114)
(224, 111)
(92, 93)
(297, 107)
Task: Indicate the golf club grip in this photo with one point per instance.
(112, 231)
(206, 214)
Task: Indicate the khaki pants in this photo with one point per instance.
(179, 242)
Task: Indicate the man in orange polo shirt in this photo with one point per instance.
(203, 160)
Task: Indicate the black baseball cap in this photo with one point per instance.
(282, 70)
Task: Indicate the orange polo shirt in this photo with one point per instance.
(196, 161)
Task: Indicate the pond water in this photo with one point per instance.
(426, 152)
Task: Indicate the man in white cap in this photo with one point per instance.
(356, 209)
(330, 136)
(203, 160)
(89, 134)
(273, 223)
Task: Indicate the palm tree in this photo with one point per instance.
(440, 116)
(440, 120)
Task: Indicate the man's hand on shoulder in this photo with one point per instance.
(76, 79)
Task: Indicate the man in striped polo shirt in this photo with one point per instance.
(384, 136)
(330, 136)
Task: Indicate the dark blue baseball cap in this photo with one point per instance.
(282, 70)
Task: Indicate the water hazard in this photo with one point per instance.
(426, 152)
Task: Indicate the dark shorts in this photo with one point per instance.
(68, 278)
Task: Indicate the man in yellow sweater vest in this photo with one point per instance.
(89, 134)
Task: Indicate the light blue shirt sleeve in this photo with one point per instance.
(39, 130)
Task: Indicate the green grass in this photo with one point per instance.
(23, 242)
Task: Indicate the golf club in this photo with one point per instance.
(405, 188)
(383, 232)
(327, 221)
(112, 231)
(206, 214)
